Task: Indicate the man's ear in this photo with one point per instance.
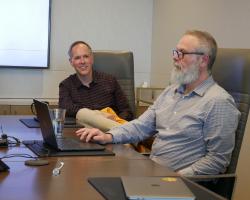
(204, 61)
(70, 61)
(92, 59)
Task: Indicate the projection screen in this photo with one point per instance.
(25, 33)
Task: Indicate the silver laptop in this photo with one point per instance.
(156, 188)
(49, 138)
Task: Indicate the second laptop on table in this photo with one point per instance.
(156, 188)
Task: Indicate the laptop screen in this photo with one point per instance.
(46, 125)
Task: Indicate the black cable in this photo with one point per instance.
(34, 161)
(17, 141)
(23, 155)
(12, 143)
(5, 142)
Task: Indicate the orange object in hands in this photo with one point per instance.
(116, 117)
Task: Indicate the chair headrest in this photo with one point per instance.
(117, 63)
(231, 70)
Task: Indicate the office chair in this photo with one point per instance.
(231, 71)
(121, 65)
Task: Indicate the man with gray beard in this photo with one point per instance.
(193, 120)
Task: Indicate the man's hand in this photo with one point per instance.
(94, 134)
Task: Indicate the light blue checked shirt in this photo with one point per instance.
(195, 133)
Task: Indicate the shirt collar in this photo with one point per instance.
(76, 81)
(95, 77)
(200, 89)
(79, 84)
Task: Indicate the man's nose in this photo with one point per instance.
(175, 58)
(82, 60)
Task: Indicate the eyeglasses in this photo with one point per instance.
(179, 54)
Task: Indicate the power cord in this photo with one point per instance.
(34, 161)
(23, 155)
(8, 141)
(5, 167)
(11, 141)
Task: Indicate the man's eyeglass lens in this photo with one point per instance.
(180, 54)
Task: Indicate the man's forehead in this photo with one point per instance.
(80, 49)
(80, 46)
(188, 42)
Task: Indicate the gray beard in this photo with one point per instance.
(183, 78)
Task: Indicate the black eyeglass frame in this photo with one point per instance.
(181, 54)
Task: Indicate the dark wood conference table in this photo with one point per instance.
(38, 183)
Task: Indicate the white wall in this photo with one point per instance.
(228, 22)
(104, 24)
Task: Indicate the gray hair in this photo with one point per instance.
(76, 43)
(208, 44)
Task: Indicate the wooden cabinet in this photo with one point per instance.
(145, 96)
(20, 110)
(16, 108)
(4, 109)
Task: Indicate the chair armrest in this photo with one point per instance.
(211, 177)
(222, 184)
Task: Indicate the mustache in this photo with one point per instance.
(178, 67)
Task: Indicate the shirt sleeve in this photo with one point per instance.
(122, 109)
(219, 135)
(65, 100)
(140, 128)
(136, 130)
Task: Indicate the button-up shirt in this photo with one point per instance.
(103, 91)
(195, 132)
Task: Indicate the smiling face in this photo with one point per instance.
(187, 66)
(82, 60)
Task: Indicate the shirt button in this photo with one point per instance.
(167, 128)
(175, 112)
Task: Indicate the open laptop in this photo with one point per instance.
(60, 144)
(156, 188)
